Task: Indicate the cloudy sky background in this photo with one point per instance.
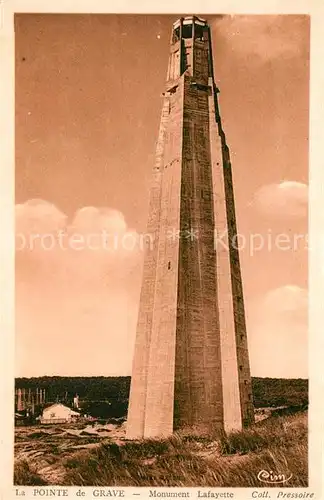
(87, 115)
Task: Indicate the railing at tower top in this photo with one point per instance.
(190, 43)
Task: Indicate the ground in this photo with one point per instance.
(45, 447)
(99, 455)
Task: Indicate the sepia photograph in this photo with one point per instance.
(161, 237)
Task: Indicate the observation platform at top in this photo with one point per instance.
(190, 20)
(190, 27)
(190, 52)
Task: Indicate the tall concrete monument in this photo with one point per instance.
(191, 366)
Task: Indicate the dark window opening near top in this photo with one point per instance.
(176, 35)
(199, 33)
(187, 31)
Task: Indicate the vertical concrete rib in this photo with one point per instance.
(161, 363)
(198, 382)
(138, 390)
(231, 392)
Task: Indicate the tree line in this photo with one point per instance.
(115, 390)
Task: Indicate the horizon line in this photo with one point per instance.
(124, 376)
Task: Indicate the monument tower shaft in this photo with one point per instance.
(191, 366)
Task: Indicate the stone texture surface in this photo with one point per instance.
(198, 380)
(138, 391)
(191, 367)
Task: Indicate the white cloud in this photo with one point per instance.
(288, 298)
(38, 222)
(265, 37)
(97, 219)
(285, 199)
(278, 333)
(38, 216)
(76, 311)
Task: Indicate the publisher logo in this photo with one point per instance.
(271, 478)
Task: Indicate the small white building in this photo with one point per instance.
(58, 414)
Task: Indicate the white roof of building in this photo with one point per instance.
(61, 406)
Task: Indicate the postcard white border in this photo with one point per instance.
(315, 9)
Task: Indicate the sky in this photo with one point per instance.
(88, 104)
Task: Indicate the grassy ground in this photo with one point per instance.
(278, 444)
